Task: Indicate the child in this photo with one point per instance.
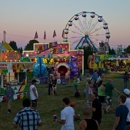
(75, 83)
(90, 89)
(77, 93)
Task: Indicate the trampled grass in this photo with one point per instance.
(48, 105)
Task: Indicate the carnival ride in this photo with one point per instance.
(87, 29)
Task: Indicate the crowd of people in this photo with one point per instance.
(100, 100)
(100, 97)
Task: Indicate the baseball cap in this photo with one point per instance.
(126, 91)
(72, 104)
(34, 81)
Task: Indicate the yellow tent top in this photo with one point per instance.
(7, 46)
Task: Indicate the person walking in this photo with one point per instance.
(54, 87)
(27, 118)
(121, 114)
(88, 123)
(33, 94)
(94, 80)
(96, 108)
(126, 92)
(101, 92)
(108, 91)
(50, 84)
(126, 79)
(67, 115)
(9, 92)
(95, 76)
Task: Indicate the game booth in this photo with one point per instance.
(56, 56)
(114, 65)
(14, 72)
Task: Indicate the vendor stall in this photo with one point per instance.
(14, 73)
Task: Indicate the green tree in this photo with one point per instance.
(13, 45)
(127, 50)
(112, 51)
(20, 50)
(29, 46)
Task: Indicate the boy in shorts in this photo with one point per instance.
(33, 94)
(108, 91)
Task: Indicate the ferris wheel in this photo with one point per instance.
(87, 29)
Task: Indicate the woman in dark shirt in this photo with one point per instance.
(54, 88)
(50, 84)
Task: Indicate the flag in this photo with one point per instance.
(54, 34)
(44, 35)
(36, 35)
(63, 34)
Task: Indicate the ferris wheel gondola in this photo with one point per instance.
(87, 29)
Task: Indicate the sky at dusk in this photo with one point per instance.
(22, 18)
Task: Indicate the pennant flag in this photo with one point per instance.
(36, 35)
(44, 35)
(63, 34)
(54, 34)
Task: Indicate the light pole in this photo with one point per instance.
(4, 36)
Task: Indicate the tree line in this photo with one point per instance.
(29, 46)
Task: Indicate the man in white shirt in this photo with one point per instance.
(33, 94)
(67, 115)
(127, 103)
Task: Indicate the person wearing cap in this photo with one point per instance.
(33, 94)
(9, 92)
(126, 92)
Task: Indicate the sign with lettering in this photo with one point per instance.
(3, 66)
(11, 56)
(58, 50)
(42, 47)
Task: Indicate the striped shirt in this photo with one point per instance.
(27, 119)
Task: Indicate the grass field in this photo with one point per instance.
(49, 105)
